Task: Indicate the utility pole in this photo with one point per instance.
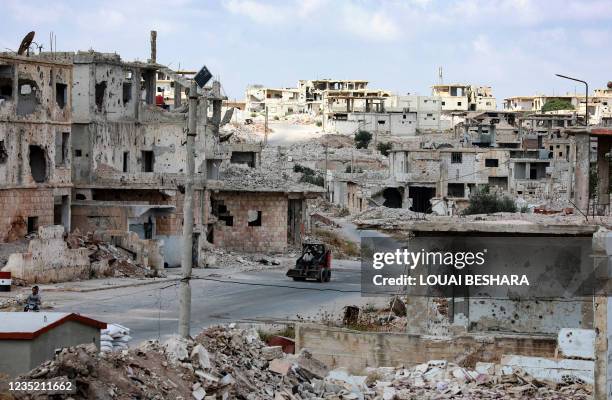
(586, 96)
(266, 128)
(187, 250)
(325, 176)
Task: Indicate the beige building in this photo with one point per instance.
(35, 149)
(465, 97)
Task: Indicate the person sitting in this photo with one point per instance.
(33, 301)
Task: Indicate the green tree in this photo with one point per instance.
(384, 148)
(557, 104)
(362, 139)
(484, 202)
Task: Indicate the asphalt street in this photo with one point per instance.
(151, 311)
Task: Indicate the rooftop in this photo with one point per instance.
(27, 326)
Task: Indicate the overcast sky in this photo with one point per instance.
(398, 45)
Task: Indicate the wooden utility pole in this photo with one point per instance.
(187, 248)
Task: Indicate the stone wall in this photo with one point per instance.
(356, 350)
(270, 236)
(49, 259)
(17, 205)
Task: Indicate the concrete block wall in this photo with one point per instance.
(17, 205)
(270, 236)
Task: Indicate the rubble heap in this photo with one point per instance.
(240, 176)
(107, 259)
(229, 363)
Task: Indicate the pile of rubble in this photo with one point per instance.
(215, 257)
(107, 259)
(440, 379)
(240, 176)
(385, 214)
(230, 363)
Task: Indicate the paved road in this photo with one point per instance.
(152, 312)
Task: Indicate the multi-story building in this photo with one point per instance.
(35, 149)
(465, 97)
(278, 101)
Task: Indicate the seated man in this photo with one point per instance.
(33, 301)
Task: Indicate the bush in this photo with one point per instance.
(276, 118)
(362, 139)
(384, 148)
(319, 123)
(483, 202)
(557, 104)
(253, 114)
(314, 179)
(309, 175)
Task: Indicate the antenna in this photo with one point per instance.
(440, 76)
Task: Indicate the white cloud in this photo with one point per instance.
(257, 11)
(370, 25)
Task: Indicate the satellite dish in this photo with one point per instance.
(25, 43)
(610, 85)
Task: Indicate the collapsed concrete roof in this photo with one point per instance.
(240, 178)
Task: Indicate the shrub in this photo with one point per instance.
(557, 104)
(384, 148)
(484, 202)
(276, 118)
(253, 114)
(309, 175)
(319, 123)
(362, 139)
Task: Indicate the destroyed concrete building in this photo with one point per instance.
(257, 211)
(465, 97)
(35, 150)
(278, 102)
(599, 107)
(128, 154)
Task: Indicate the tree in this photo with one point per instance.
(384, 148)
(557, 104)
(362, 139)
(484, 202)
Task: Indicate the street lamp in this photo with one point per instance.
(586, 105)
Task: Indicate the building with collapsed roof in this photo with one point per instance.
(35, 144)
(277, 101)
(464, 97)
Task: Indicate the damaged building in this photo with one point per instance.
(129, 156)
(35, 150)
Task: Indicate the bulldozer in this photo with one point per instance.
(314, 263)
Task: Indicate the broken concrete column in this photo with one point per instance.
(581, 172)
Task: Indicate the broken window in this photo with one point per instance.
(127, 92)
(28, 99)
(3, 152)
(148, 159)
(456, 158)
(126, 161)
(491, 162)
(78, 153)
(456, 190)
(254, 218)
(32, 224)
(220, 211)
(458, 103)
(61, 148)
(100, 90)
(38, 164)
(61, 94)
(6, 82)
